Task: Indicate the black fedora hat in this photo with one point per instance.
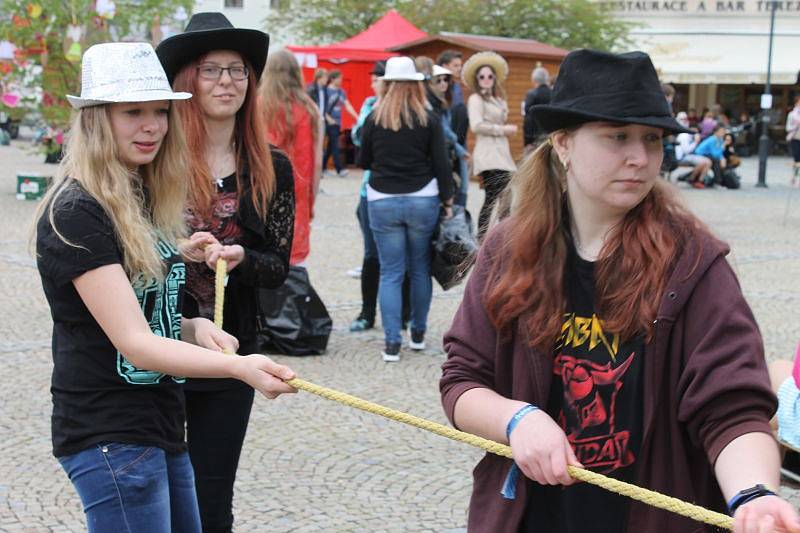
(212, 31)
(598, 86)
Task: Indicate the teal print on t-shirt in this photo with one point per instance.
(160, 302)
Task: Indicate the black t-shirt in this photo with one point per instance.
(98, 395)
(596, 397)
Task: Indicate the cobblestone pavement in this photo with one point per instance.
(311, 465)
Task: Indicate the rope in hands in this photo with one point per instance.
(643, 495)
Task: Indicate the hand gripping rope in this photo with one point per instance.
(656, 499)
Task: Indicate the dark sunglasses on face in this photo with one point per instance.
(441, 79)
(214, 72)
(486, 76)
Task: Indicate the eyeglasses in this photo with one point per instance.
(486, 76)
(214, 72)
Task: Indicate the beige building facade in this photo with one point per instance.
(715, 52)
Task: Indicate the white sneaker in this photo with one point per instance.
(391, 352)
(416, 340)
(354, 273)
(343, 173)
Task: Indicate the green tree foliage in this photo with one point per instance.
(565, 23)
(40, 29)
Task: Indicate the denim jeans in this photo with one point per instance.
(131, 488)
(403, 227)
(463, 172)
(332, 149)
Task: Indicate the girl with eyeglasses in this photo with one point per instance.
(241, 209)
(485, 73)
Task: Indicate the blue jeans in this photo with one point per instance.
(463, 172)
(131, 488)
(362, 213)
(403, 227)
(332, 149)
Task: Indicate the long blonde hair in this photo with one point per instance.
(402, 103)
(281, 86)
(139, 218)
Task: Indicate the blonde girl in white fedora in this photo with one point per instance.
(106, 245)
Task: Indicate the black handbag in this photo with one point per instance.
(292, 319)
(453, 248)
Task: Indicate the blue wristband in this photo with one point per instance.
(512, 424)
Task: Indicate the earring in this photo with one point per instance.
(565, 163)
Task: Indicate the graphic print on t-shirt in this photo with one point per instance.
(223, 225)
(593, 368)
(160, 303)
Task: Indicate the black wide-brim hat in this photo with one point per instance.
(212, 31)
(598, 86)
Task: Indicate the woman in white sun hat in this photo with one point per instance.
(485, 73)
(106, 246)
(403, 146)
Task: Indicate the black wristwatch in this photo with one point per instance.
(744, 496)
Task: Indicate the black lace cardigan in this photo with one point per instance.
(267, 248)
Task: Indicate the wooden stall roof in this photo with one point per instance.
(501, 45)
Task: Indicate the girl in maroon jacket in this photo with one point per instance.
(602, 328)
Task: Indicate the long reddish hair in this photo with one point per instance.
(527, 279)
(252, 150)
(281, 87)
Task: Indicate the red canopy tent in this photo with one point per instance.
(355, 56)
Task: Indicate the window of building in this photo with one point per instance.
(234, 3)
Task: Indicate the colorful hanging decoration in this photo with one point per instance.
(20, 22)
(11, 99)
(106, 9)
(72, 43)
(74, 32)
(74, 52)
(7, 50)
(34, 10)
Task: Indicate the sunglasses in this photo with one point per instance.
(441, 79)
(486, 76)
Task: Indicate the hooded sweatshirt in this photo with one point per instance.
(705, 384)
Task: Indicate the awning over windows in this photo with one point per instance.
(722, 58)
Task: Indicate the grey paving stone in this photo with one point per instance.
(311, 465)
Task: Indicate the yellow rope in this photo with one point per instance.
(219, 290)
(647, 496)
(656, 499)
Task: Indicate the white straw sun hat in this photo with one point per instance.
(122, 72)
(401, 69)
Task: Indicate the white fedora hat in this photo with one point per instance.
(439, 70)
(401, 69)
(122, 72)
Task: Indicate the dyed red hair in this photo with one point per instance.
(252, 150)
(527, 282)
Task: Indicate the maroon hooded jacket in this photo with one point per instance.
(705, 384)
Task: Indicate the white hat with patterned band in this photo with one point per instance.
(122, 72)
